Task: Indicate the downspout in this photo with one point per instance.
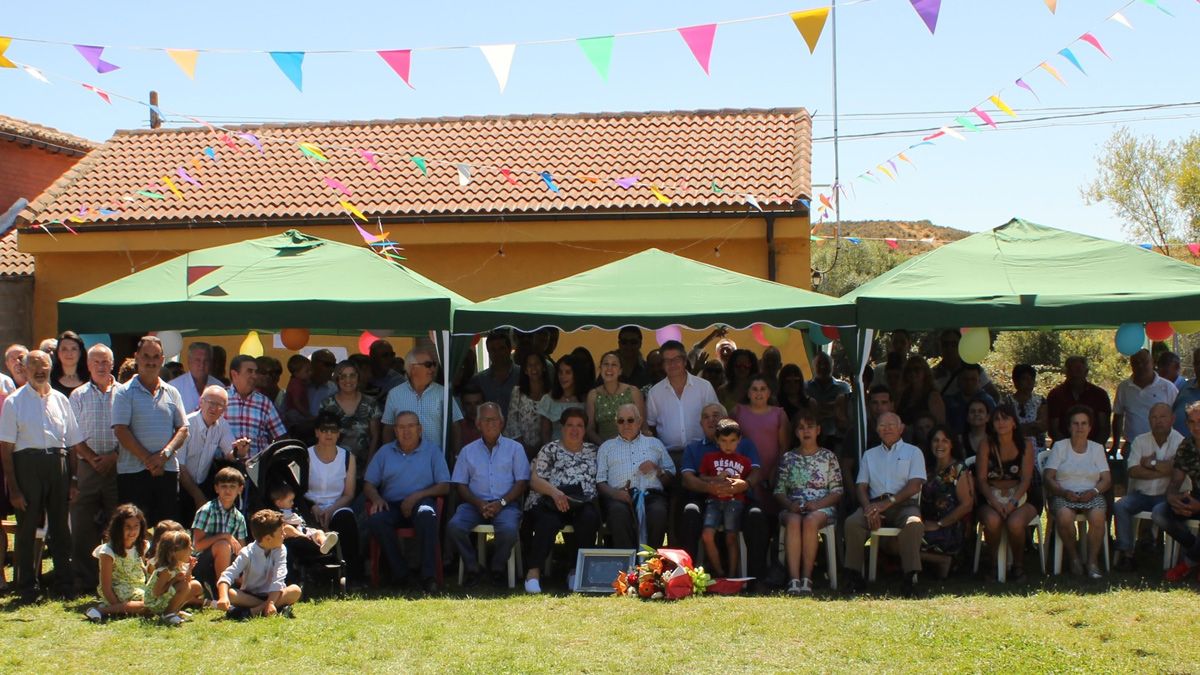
(772, 272)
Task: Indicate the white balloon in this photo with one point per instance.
(172, 342)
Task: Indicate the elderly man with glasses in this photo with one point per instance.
(422, 395)
(209, 437)
(632, 474)
(889, 482)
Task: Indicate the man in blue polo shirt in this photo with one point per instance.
(402, 483)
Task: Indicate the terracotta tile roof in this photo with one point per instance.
(766, 153)
(20, 131)
(13, 263)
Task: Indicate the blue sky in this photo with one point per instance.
(887, 62)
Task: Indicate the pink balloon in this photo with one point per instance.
(668, 333)
(757, 331)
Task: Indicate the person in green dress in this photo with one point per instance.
(604, 400)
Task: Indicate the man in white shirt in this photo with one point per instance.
(37, 429)
(674, 404)
(630, 462)
(209, 436)
(1151, 462)
(197, 378)
(1135, 396)
(890, 477)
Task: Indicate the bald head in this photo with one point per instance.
(1161, 419)
(889, 428)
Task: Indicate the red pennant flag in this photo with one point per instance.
(892, 243)
(400, 61)
(504, 171)
(197, 272)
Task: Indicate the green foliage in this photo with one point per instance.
(855, 264)
(1047, 351)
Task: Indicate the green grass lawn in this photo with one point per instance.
(1052, 625)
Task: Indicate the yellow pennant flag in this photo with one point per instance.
(660, 196)
(1002, 106)
(185, 59)
(353, 211)
(1052, 5)
(171, 184)
(885, 171)
(1053, 71)
(810, 23)
(4, 62)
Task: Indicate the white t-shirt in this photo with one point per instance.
(1144, 446)
(1134, 403)
(1074, 471)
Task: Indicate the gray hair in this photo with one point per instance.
(200, 347)
(1191, 407)
(100, 348)
(718, 406)
(636, 413)
(35, 354)
(411, 357)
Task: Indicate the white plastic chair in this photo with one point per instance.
(1003, 560)
(829, 534)
(741, 552)
(1171, 547)
(514, 557)
(1081, 527)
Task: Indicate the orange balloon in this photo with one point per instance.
(294, 338)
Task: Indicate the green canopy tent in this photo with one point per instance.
(286, 280)
(1025, 275)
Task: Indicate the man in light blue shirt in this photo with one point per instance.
(491, 474)
(633, 461)
(889, 481)
(1189, 393)
(402, 484)
(422, 395)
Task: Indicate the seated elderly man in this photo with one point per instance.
(889, 479)
(491, 474)
(1173, 515)
(1150, 465)
(754, 521)
(402, 484)
(632, 473)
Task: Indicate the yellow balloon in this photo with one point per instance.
(1186, 327)
(778, 337)
(975, 345)
(251, 346)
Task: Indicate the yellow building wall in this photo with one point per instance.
(477, 260)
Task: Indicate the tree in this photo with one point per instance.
(1153, 186)
(849, 266)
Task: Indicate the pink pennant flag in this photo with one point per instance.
(1194, 249)
(99, 92)
(1022, 84)
(368, 237)
(504, 171)
(936, 134)
(337, 185)
(700, 40)
(928, 10)
(187, 176)
(253, 140)
(369, 158)
(892, 243)
(229, 142)
(987, 119)
(400, 60)
(1091, 40)
(92, 54)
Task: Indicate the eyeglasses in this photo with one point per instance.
(329, 430)
(627, 420)
(426, 364)
(216, 404)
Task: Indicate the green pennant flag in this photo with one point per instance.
(966, 124)
(420, 162)
(598, 50)
(716, 189)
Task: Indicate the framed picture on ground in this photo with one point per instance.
(597, 568)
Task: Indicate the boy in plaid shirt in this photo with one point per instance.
(219, 529)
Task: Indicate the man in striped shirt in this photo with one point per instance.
(96, 464)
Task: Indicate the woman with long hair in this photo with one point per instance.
(947, 498)
(524, 423)
(69, 369)
(1004, 474)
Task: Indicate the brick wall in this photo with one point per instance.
(26, 170)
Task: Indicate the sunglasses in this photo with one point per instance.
(426, 364)
(626, 420)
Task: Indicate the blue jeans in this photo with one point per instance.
(508, 529)
(1176, 527)
(383, 524)
(1125, 509)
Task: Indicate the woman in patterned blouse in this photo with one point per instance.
(808, 491)
(563, 492)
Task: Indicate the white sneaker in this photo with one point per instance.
(533, 586)
(186, 616)
(806, 586)
(571, 580)
(331, 540)
(172, 619)
(795, 587)
(93, 614)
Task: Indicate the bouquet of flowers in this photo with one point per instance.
(663, 573)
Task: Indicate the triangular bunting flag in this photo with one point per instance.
(499, 57)
(400, 61)
(996, 101)
(91, 54)
(1154, 4)
(549, 180)
(891, 243)
(150, 193)
(5, 42)
(854, 240)
(1053, 71)
(171, 185)
(230, 143)
(966, 123)
(35, 74)
(212, 154)
(825, 200)
(928, 10)
(369, 158)
(1052, 5)
(99, 92)
(1022, 84)
(893, 165)
(420, 162)
(352, 211)
(987, 119)
(291, 63)
(507, 173)
(464, 174)
(1091, 40)
(197, 272)
(215, 292)
(311, 150)
(904, 158)
(885, 171)
(954, 134)
(187, 176)
(811, 23)
(1194, 249)
(659, 195)
(699, 39)
(337, 185)
(627, 181)
(370, 238)
(1120, 18)
(753, 203)
(185, 59)
(716, 188)
(598, 51)
(1070, 56)
(253, 140)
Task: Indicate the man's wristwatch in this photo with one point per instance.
(503, 502)
(891, 499)
(1153, 463)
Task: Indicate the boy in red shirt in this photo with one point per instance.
(715, 467)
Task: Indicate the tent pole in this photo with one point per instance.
(446, 421)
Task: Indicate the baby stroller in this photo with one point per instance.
(286, 462)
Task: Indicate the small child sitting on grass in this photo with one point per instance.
(122, 574)
(724, 464)
(262, 570)
(172, 585)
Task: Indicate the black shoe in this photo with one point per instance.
(237, 613)
(499, 579)
(1125, 564)
(854, 582)
(1017, 576)
(911, 589)
(430, 586)
(470, 579)
(286, 612)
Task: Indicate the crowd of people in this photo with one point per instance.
(140, 477)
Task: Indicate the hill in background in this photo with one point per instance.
(897, 229)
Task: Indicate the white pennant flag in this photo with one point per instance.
(1120, 18)
(499, 57)
(464, 174)
(35, 74)
(753, 202)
